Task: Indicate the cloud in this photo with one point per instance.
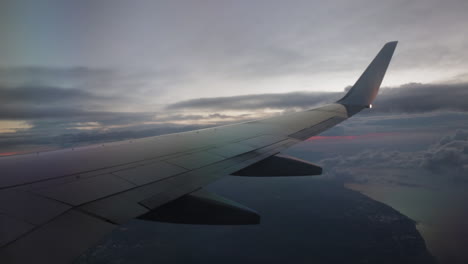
(448, 158)
(67, 105)
(257, 101)
(68, 100)
(449, 155)
(48, 95)
(408, 98)
(65, 115)
(135, 86)
(73, 106)
(39, 93)
(40, 136)
(418, 98)
(76, 94)
(218, 32)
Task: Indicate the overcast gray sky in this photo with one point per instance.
(104, 64)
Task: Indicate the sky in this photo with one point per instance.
(69, 67)
(82, 72)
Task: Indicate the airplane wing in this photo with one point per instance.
(54, 205)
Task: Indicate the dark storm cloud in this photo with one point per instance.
(68, 82)
(448, 157)
(47, 95)
(417, 98)
(31, 93)
(30, 103)
(396, 122)
(71, 114)
(258, 101)
(71, 95)
(135, 86)
(408, 98)
(47, 112)
(72, 106)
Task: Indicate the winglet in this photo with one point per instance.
(367, 86)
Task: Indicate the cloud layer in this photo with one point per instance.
(257, 101)
(40, 101)
(448, 158)
(408, 98)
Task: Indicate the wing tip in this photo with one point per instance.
(366, 87)
(391, 44)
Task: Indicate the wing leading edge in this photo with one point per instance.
(53, 213)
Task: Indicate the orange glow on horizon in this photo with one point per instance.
(8, 153)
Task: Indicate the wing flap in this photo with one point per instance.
(280, 165)
(203, 207)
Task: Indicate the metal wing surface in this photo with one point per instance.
(56, 204)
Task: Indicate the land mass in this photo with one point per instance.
(303, 221)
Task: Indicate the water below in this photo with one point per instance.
(441, 212)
